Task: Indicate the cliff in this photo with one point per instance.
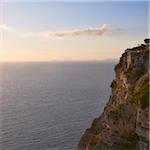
(124, 123)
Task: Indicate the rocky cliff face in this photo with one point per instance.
(124, 123)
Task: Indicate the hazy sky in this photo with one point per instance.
(68, 31)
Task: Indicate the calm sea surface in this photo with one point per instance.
(48, 106)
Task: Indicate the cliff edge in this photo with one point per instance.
(124, 123)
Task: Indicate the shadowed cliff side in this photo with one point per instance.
(124, 123)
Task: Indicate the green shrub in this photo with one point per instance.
(129, 142)
(135, 72)
(144, 101)
(142, 94)
(95, 139)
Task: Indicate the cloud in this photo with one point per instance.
(5, 28)
(86, 31)
(99, 31)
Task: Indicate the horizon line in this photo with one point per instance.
(65, 61)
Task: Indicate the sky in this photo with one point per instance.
(70, 31)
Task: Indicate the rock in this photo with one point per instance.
(124, 123)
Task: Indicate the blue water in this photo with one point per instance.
(48, 106)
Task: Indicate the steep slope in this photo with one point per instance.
(123, 125)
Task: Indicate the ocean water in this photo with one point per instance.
(48, 106)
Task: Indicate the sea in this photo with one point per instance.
(48, 105)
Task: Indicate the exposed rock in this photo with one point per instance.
(124, 123)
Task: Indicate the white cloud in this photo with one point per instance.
(98, 31)
(5, 28)
(85, 31)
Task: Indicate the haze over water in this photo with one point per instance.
(47, 106)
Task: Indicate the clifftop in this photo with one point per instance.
(124, 123)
